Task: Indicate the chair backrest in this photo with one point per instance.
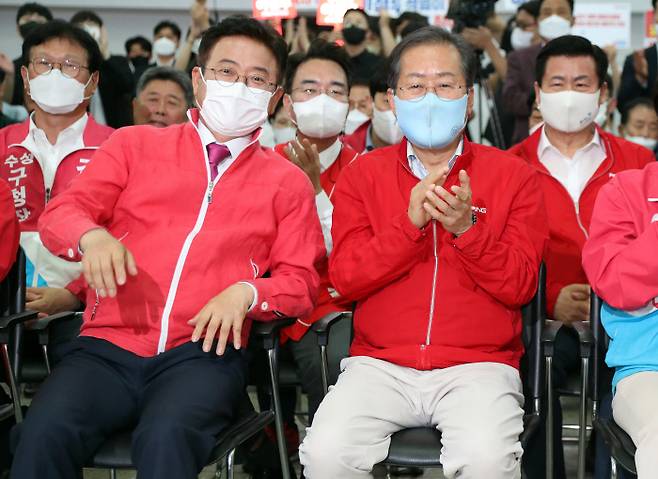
(534, 315)
(12, 288)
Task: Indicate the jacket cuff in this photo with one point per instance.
(77, 231)
(473, 242)
(411, 231)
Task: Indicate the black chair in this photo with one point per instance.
(12, 317)
(115, 453)
(622, 448)
(421, 446)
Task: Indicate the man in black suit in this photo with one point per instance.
(638, 78)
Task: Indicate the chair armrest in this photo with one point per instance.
(548, 334)
(322, 327)
(585, 336)
(268, 331)
(18, 318)
(46, 322)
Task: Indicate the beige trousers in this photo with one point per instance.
(477, 407)
(634, 408)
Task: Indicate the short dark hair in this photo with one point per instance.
(379, 81)
(571, 46)
(570, 2)
(632, 105)
(140, 40)
(358, 10)
(319, 50)
(86, 16)
(33, 7)
(531, 8)
(167, 24)
(432, 35)
(61, 29)
(653, 3)
(240, 26)
(168, 74)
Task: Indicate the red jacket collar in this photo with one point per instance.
(93, 135)
(528, 148)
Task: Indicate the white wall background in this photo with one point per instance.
(126, 18)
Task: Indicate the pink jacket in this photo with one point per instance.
(621, 255)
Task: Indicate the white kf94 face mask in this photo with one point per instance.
(56, 93)
(569, 111)
(320, 117)
(233, 109)
(385, 126)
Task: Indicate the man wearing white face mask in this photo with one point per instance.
(41, 156)
(575, 158)
(187, 234)
(383, 129)
(316, 100)
(360, 102)
(639, 123)
(166, 38)
(555, 19)
(111, 104)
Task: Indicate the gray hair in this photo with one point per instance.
(433, 35)
(170, 74)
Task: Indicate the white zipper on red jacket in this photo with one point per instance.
(182, 256)
(434, 278)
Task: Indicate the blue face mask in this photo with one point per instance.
(431, 122)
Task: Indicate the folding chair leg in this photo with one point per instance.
(324, 363)
(549, 418)
(582, 420)
(230, 464)
(11, 379)
(113, 474)
(46, 359)
(613, 468)
(278, 415)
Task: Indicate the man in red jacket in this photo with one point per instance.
(40, 157)
(8, 230)
(439, 241)
(574, 158)
(317, 87)
(383, 129)
(186, 235)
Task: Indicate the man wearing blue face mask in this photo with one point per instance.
(438, 241)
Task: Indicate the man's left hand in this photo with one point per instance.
(454, 210)
(224, 313)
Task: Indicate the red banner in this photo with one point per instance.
(266, 9)
(331, 12)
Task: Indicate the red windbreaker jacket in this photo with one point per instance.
(191, 238)
(568, 222)
(357, 140)
(426, 299)
(327, 303)
(621, 257)
(8, 230)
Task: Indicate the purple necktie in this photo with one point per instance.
(216, 154)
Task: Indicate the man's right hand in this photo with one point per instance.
(417, 214)
(572, 303)
(641, 67)
(105, 261)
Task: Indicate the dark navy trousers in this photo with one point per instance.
(176, 402)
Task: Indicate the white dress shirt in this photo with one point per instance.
(417, 167)
(51, 155)
(573, 173)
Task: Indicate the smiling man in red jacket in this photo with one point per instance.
(186, 235)
(574, 159)
(439, 241)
